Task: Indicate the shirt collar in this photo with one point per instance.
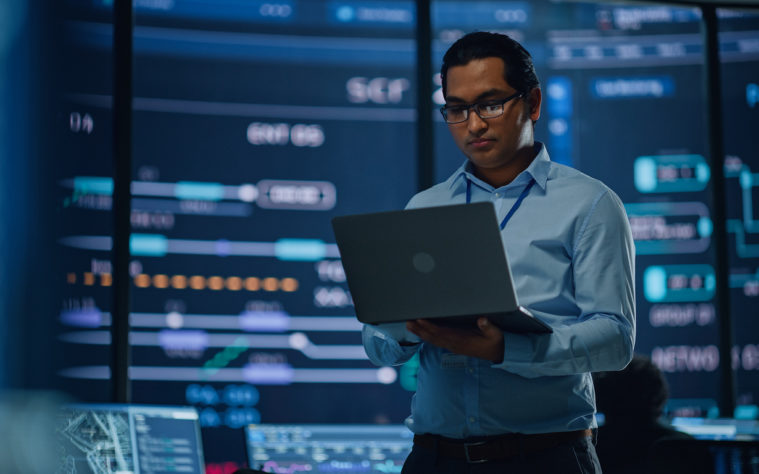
(537, 170)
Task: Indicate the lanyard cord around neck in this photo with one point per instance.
(513, 209)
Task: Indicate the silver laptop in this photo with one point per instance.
(444, 263)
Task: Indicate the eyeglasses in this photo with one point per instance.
(484, 110)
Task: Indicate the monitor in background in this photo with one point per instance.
(716, 456)
(328, 448)
(734, 457)
(100, 438)
(717, 428)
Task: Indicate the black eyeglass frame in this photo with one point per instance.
(476, 106)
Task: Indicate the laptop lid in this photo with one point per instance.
(129, 439)
(313, 448)
(445, 263)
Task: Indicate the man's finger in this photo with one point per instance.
(488, 329)
(419, 327)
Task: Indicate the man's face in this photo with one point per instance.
(500, 146)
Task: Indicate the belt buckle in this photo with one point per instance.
(466, 452)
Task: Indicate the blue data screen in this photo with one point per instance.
(328, 448)
(256, 122)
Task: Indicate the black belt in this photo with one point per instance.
(497, 447)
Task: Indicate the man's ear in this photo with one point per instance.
(534, 100)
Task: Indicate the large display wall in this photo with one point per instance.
(256, 122)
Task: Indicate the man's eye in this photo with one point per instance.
(456, 110)
(490, 108)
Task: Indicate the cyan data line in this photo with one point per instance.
(198, 340)
(743, 249)
(747, 224)
(208, 198)
(224, 357)
(747, 180)
(157, 245)
(742, 279)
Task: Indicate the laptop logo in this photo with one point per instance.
(423, 262)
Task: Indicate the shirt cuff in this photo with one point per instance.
(396, 332)
(390, 350)
(516, 348)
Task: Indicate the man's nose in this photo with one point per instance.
(474, 123)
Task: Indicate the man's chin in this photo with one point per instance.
(484, 161)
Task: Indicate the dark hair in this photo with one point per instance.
(519, 71)
(639, 390)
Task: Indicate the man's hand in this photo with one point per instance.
(485, 342)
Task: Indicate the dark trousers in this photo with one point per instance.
(574, 457)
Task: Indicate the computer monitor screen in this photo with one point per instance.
(129, 439)
(734, 457)
(718, 428)
(328, 448)
(715, 456)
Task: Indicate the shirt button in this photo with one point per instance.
(497, 195)
(472, 419)
(470, 370)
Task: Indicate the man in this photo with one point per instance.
(489, 401)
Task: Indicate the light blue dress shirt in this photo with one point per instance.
(572, 257)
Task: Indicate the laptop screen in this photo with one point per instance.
(328, 448)
(129, 439)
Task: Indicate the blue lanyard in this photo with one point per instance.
(514, 208)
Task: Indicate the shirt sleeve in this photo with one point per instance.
(382, 342)
(603, 334)
(382, 345)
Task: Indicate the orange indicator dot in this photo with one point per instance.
(270, 284)
(252, 284)
(179, 282)
(197, 282)
(234, 283)
(289, 284)
(216, 283)
(161, 280)
(142, 280)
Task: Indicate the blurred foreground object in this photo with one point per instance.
(27, 432)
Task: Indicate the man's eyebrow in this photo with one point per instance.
(485, 95)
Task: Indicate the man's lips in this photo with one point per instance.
(480, 142)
